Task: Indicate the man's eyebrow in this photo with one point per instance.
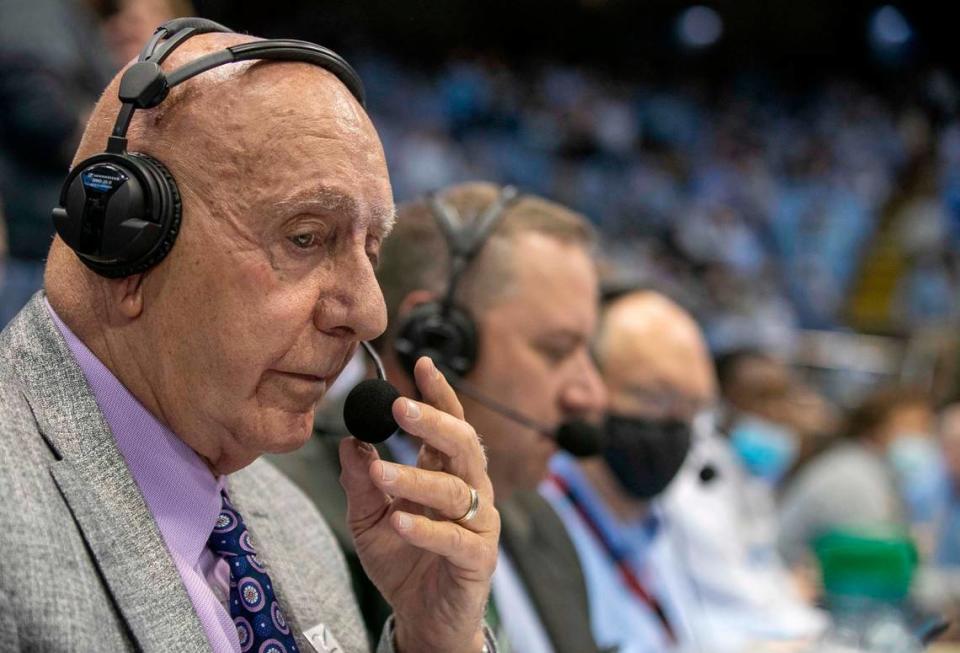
(324, 198)
(568, 336)
(330, 199)
(383, 220)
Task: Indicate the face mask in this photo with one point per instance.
(766, 449)
(645, 454)
(921, 474)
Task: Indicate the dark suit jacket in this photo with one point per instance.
(532, 533)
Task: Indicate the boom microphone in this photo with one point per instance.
(368, 413)
(579, 438)
(368, 409)
(576, 436)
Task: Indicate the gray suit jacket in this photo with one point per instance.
(83, 566)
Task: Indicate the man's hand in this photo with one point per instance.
(434, 572)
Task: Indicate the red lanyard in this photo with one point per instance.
(619, 559)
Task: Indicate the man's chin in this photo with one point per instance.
(295, 440)
(290, 434)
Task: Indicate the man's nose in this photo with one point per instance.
(360, 308)
(585, 393)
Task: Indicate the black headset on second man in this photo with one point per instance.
(448, 334)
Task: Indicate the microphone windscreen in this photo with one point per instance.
(580, 438)
(367, 411)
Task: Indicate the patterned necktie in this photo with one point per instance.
(260, 624)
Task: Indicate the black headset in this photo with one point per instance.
(444, 330)
(120, 211)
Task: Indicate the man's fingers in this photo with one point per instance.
(474, 554)
(449, 435)
(448, 496)
(366, 503)
(429, 458)
(435, 389)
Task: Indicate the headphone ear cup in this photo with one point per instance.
(120, 213)
(449, 338)
(171, 211)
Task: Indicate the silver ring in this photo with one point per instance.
(473, 509)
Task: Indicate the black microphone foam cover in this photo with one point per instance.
(367, 412)
(580, 438)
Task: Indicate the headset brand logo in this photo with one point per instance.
(103, 178)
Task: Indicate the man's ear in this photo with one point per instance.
(127, 295)
(413, 299)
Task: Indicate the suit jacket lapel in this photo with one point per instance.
(103, 497)
(545, 559)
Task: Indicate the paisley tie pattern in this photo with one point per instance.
(261, 626)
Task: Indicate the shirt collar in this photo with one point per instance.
(634, 536)
(181, 492)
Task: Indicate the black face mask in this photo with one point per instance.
(645, 454)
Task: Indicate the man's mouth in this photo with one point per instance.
(311, 378)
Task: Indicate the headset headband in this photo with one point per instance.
(144, 85)
(465, 241)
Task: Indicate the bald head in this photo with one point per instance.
(213, 105)
(213, 130)
(653, 358)
(233, 338)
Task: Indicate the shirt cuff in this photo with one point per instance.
(387, 644)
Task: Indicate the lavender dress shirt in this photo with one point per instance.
(181, 492)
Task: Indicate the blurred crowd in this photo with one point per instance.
(762, 207)
(755, 202)
(885, 471)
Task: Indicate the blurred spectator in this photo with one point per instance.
(771, 421)
(53, 66)
(885, 471)
(948, 541)
(132, 22)
(772, 418)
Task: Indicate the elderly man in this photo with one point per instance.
(137, 397)
(513, 339)
(672, 571)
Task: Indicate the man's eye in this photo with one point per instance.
(304, 241)
(555, 354)
(373, 251)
